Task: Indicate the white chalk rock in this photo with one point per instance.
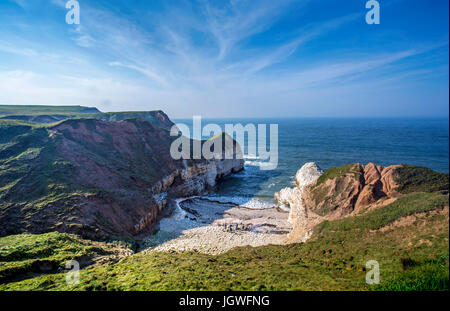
(308, 174)
(292, 197)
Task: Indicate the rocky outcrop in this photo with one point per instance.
(337, 193)
(292, 198)
(99, 179)
(352, 188)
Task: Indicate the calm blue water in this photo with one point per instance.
(335, 142)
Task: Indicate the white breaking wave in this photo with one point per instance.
(251, 157)
(258, 163)
(254, 203)
(271, 185)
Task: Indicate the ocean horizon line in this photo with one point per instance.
(320, 118)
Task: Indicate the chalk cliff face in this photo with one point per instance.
(292, 198)
(98, 179)
(336, 193)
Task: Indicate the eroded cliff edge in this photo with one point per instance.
(351, 190)
(99, 179)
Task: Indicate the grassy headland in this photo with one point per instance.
(408, 238)
(38, 193)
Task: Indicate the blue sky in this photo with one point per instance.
(229, 58)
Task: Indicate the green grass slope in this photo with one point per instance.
(45, 186)
(25, 256)
(52, 114)
(413, 178)
(41, 109)
(413, 255)
(339, 171)
(94, 178)
(32, 175)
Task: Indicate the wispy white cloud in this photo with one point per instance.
(285, 50)
(82, 38)
(144, 71)
(21, 3)
(10, 49)
(167, 53)
(237, 20)
(60, 3)
(198, 60)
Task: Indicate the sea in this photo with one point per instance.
(330, 142)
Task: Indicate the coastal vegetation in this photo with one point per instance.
(26, 255)
(413, 178)
(96, 180)
(412, 253)
(337, 172)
